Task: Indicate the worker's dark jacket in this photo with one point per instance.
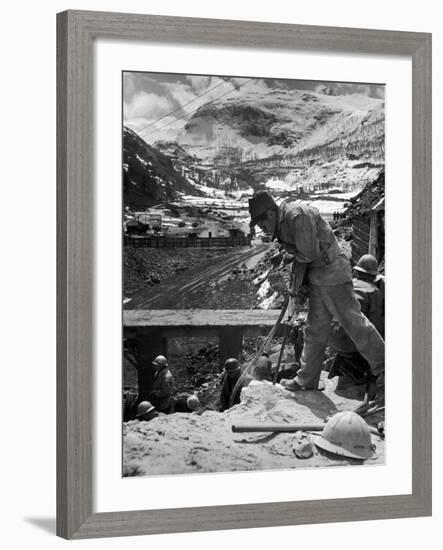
(305, 234)
(228, 384)
(372, 304)
(181, 404)
(161, 395)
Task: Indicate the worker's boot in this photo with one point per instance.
(293, 385)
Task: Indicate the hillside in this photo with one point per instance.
(148, 175)
(281, 122)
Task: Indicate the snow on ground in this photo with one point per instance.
(280, 185)
(327, 207)
(210, 191)
(344, 196)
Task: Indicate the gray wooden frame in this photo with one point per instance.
(76, 31)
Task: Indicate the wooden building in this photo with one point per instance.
(367, 217)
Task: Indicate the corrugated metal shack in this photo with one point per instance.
(367, 217)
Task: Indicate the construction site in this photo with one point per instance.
(215, 310)
(218, 304)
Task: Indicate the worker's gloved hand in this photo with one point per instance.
(276, 259)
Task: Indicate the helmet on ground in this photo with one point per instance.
(231, 364)
(347, 434)
(259, 204)
(367, 264)
(193, 402)
(160, 361)
(144, 407)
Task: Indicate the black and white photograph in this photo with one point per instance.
(253, 258)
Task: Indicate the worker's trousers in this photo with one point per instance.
(339, 302)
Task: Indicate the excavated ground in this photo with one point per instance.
(204, 442)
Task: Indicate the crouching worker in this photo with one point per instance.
(348, 363)
(186, 403)
(146, 411)
(161, 395)
(230, 377)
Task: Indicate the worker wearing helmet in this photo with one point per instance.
(161, 395)
(302, 231)
(263, 369)
(146, 411)
(232, 373)
(186, 403)
(348, 361)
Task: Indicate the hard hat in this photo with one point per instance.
(231, 364)
(259, 204)
(368, 264)
(347, 434)
(193, 402)
(143, 408)
(160, 361)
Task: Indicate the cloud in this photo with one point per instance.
(199, 83)
(379, 91)
(199, 91)
(148, 106)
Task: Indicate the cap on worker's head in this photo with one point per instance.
(259, 204)
(144, 407)
(347, 434)
(231, 365)
(160, 361)
(263, 368)
(193, 402)
(367, 264)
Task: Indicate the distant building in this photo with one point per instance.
(234, 232)
(155, 221)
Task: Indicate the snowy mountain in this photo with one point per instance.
(282, 122)
(148, 175)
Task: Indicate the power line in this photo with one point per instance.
(195, 110)
(181, 106)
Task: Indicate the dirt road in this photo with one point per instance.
(213, 286)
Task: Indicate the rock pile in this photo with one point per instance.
(191, 443)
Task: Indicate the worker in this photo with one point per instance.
(303, 232)
(161, 395)
(347, 361)
(186, 403)
(232, 373)
(146, 411)
(263, 370)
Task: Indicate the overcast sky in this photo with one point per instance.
(158, 105)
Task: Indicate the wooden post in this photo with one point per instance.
(231, 343)
(150, 344)
(373, 235)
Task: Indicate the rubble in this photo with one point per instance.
(204, 442)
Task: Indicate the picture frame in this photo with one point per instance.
(76, 32)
